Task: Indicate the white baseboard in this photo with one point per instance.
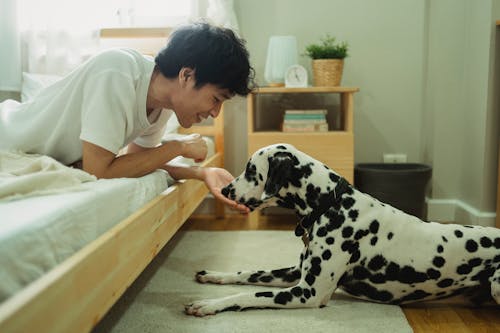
(457, 211)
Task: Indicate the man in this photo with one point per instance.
(120, 98)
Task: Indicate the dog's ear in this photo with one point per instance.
(280, 169)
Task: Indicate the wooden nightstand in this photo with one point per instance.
(335, 148)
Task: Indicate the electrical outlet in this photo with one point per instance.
(395, 158)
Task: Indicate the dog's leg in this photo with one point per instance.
(283, 277)
(317, 283)
(495, 286)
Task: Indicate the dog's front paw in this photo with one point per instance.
(207, 307)
(210, 277)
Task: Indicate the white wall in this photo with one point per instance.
(424, 69)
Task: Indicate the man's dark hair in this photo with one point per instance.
(216, 54)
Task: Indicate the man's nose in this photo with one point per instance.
(215, 110)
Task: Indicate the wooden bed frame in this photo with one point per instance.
(77, 293)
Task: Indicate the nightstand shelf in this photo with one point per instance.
(335, 147)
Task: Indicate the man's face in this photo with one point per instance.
(194, 104)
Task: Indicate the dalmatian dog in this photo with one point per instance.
(354, 242)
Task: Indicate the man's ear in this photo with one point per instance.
(280, 169)
(186, 74)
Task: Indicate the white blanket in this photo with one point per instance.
(23, 175)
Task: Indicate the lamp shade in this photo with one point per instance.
(281, 54)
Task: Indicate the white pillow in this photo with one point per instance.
(33, 83)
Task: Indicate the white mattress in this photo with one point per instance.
(37, 233)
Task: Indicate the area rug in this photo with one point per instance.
(155, 302)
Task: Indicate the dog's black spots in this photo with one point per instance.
(225, 191)
(364, 289)
(475, 262)
(283, 297)
(231, 308)
(378, 278)
(360, 234)
(333, 177)
(327, 254)
(261, 152)
(348, 202)
(321, 232)
(310, 279)
(302, 300)
(433, 274)
(335, 220)
(438, 261)
(250, 172)
(484, 275)
(353, 214)
(202, 273)
(254, 278)
(296, 291)
(485, 242)
(322, 306)
(445, 283)
(440, 249)
(444, 239)
(330, 240)
(292, 276)
(315, 266)
(390, 235)
(408, 275)
(266, 278)
(264, 294)
(292, 201)
(374, 226)
(496, 259)
(459, 234)
(377, 263)
(360, 273)
(497, 242)
(349, 246)
(374, 240)
(347, 232)
(471, 245)
(260, 177)
(355, 256)
(414, 296)
(313, 292)
(307, 293)
(464, 269)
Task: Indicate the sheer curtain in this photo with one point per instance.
(54, 36)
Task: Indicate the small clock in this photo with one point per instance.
(296, 77)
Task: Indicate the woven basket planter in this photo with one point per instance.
(327, 72)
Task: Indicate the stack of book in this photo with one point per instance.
(305, 121)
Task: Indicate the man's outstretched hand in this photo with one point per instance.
(216, 179)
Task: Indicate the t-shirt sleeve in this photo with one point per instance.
(153, 135)
(107, 109)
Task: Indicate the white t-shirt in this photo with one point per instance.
(103, 102)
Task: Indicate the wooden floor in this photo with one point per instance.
(423, 317)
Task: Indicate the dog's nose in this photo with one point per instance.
(225, 191)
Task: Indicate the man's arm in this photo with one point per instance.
(140, 161)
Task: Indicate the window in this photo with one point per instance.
(96, 14)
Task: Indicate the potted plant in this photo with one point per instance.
(327, 61)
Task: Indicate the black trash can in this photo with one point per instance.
(402, 185)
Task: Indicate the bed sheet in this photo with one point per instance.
(37, 233)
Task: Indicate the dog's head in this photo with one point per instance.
(273, 174)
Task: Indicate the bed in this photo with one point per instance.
(74, 294)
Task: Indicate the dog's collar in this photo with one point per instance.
(305, 224)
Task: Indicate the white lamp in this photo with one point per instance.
(281, 54)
